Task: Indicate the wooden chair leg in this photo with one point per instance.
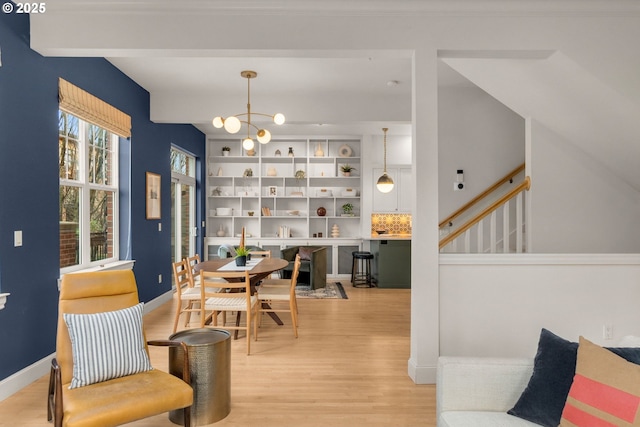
(175, 322)
(188, 313)
(187, 416)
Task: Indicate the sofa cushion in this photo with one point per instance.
(605, 390)
(542, 401)
(107, 345)
(481, 419)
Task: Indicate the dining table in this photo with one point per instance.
(257, 271)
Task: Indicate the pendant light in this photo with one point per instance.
(233, 124)
(385, 183)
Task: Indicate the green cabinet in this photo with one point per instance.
(392, 263)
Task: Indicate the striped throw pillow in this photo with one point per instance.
(107, 345)
(605, 390)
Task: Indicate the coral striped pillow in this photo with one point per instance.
(605, 390)
(107, 345)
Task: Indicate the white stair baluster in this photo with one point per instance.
(519, 220)
(467, 241)
(492, 231)
(505, 227)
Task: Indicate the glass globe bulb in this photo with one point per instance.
(247, 144)
(278, 119)
(263, 136)
(385, 183)
(232, 124)
(218, 122)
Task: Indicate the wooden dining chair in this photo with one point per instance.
(188, 294)
(236, 296)
(281, 298)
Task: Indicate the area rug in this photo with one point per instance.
(333, 290)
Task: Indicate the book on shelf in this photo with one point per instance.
(266, 211)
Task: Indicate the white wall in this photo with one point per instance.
(576, 204)
(492, 305)
(479, 135)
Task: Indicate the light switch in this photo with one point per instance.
(17, 238)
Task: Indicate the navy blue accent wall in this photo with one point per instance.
(29, 187)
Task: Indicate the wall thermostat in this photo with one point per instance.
(459, 184)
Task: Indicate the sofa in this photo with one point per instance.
(521, 392)
(478, 391)
(313, 265)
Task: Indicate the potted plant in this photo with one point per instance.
(347, 209)
(242, 254)
(346, 169)
(226, 151)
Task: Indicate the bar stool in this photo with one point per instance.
(361, 269)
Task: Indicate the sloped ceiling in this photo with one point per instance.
(556, 92)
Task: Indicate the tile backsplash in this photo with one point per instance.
(392, 223)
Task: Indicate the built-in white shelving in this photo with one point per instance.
(261, 192)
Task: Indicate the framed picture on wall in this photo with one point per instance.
(153, 195)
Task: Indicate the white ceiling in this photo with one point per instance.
(319, 91)
(193, 75)
(218, 78)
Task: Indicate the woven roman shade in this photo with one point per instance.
(89, 108)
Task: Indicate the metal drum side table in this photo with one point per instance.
(210, 368)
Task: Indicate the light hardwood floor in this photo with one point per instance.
(347, 368)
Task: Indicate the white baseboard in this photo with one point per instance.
(24, 377)
(37, 370)
(421, 374)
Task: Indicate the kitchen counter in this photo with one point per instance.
(391, 261)
(389, 237)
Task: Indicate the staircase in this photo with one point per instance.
(492, 222)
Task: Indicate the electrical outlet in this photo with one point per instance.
(159, 278)
(458, 186)
(607, 331)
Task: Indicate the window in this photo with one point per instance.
(88, 193)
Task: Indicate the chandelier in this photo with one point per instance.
(233, 124)
(385, 183)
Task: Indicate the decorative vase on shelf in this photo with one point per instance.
(220, 232)
(319, 151)
(321, 211)
(290, 154)
(278, 153)
(335, 231)
(272, 172)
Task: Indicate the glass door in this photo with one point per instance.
(183, 229)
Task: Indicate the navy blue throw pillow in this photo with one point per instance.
(554, 366)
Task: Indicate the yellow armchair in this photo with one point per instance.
(119, 400)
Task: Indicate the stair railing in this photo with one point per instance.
(504, 203)
(448, 221)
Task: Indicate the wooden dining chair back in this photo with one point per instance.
(187, 294)
(281, 298)
(103, 376)
(260, 254)
(235, 297)
(192, 261)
